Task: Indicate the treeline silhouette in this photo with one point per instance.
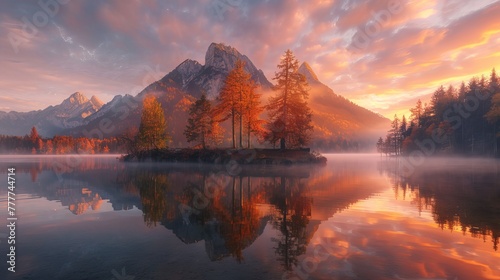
(59, 145)
(465, 200)
(461, 120)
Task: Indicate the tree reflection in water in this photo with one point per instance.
(225, 211)
(152, 189)
(461, 197)
(290, 217)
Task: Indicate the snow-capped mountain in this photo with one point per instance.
(53, 119)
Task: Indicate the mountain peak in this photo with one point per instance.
(189, 62)
(96, 101)
(306, 70)
(77, 98)
(188, 66)
(217, 56)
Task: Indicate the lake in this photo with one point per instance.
(357, 217)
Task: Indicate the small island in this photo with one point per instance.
(226, 156)
(289, 123)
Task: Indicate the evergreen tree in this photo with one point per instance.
(380, 145)
(153, 127)
(416, 113)
(494, 84)
(403, 129)
(395, 135)
(465, 120)
(438, 103)
(493, 116)
(200, 125)
(290, 115)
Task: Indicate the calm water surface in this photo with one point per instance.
(358, 217)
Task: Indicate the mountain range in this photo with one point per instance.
(333, 115)
(52, 120)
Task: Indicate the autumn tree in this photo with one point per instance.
(251, 114)
(153, 127)
(231, 101)
(49, 147)
(152, 190)
(202, 126)
(289, 113)
(36, 140)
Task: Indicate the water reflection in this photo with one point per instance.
(153, 192)
(227, 212)
(463, 196)
(260, 220)
(291, 216)
(205, 203)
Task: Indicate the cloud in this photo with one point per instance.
(97, 47)
(358, 247)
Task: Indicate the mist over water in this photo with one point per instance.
(358, 217)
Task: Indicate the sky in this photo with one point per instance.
(381, 54)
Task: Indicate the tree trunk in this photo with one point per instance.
(232, 208)
(241, 195)
(241, 119)
(241, 132)
(495, 142)
(232, 123)
(248, 136)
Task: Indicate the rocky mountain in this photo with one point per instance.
(306, 70)
(194, 78)
(175, 91)
(334, 116)
(123, 115)
(53, 119)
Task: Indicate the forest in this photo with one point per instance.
(59, 145)
(461, 120)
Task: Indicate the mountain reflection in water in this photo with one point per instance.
(255, 222)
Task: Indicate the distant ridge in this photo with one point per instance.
(53, 119)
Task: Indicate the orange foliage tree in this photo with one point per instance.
(239, 101)
(290, 115)
(153, 127)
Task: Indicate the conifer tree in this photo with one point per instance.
(290, 115)
(416, 113)
(201, 123)
(395, 135)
